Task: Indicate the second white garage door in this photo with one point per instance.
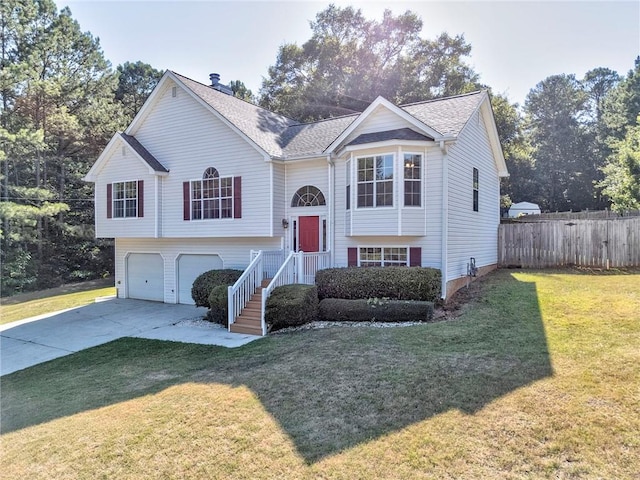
(189, 267)
(145, 276)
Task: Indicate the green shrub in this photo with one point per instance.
(218, 305)
(291, 305)
(396, 283)
(374, 309)
(206, 282)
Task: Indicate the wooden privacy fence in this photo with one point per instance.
(588, 243)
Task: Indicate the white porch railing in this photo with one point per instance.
(309, 263)
(272, 260)
(298, 267)
(240, 292)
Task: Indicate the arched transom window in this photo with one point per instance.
(308, 196)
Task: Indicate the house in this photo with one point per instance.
(203, 180)
(523, 208)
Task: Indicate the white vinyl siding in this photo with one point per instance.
(380, 120)
(187, 138)
(279, 199)
(419, 227)
(233, 254)
(472, 234)
(122, 166)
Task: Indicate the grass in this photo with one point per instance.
(27, 305)
(538, 378)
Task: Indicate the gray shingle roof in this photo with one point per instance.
(446, 115)
(398, 134)
(314, 138)
(144, 153)
(262, 126)
(283, 137)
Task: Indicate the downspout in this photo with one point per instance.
(444, 251)
(157, 198)
(271, 199)
(331, 220)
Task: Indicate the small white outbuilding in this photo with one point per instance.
(523, 208)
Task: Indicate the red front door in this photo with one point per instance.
(309, 236)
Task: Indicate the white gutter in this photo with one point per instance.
(445, 220)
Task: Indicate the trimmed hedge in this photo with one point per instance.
(291, 305)
(218, 305)
(374, 309)
(396, 283)
(206, 282)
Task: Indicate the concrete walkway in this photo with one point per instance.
(35, 340)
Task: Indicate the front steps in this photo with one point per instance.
(250, 322)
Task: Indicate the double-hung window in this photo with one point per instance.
(375, 181)
(125, 199)
(383, 257)
(412, 180)
(212, 196)
(475, 190)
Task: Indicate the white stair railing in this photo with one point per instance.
(240, 292)
(300, 267)
(285, 275)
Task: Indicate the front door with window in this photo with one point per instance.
(309, 235)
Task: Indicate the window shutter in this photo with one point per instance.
(186, 201)
(237, 197)
(109, 200)
(140, 198)
(352, 257)
(415, 257)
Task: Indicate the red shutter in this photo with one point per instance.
(352, 257)
(109, 200)
(415, 257)
(140, 198)
(237, 197)
(186, 201)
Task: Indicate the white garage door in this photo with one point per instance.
(145, 276)
(189, 267)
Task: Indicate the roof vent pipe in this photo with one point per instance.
(215, 79)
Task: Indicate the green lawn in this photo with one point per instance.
(538, 378)
(28, 305)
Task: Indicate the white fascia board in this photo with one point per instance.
(494, 139)
(389, 144)
(381, 101)
(486, 113)
(92, 174)
(117, 141)
(151, 100)
(217, 114)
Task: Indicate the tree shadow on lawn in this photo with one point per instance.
(328, 389)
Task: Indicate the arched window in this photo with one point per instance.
(212, 197)
(308, 196)
(210, 173)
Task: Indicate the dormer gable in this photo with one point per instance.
(130, 143)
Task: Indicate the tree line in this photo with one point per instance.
(573, 144)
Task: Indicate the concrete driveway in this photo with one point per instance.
(39, 339)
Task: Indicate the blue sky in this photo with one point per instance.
(515, 44)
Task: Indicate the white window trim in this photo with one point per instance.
(201, 200)
(113, 200)
(354, 191)
(475, 188)
(422, 180)
(405, 247)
